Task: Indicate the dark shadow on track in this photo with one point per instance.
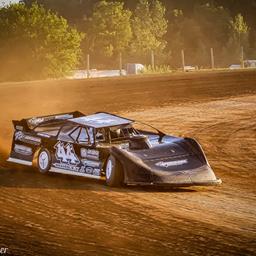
(27, 177)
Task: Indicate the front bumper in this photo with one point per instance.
(181, 184)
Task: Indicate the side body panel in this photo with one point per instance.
(24, 146)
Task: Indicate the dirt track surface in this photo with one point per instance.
(60, 215)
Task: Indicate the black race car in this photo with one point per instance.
(109, 147)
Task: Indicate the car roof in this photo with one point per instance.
(101, 120)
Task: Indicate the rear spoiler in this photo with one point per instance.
(32, 122)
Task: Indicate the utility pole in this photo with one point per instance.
(242, 57)
(212, 59)
(183, 60)
(120, 63)
(88, 65)
(152, 60)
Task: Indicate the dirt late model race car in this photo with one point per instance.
(109, 147)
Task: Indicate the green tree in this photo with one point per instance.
(240, 29)
(196, 27)
(149, 27)
(238, 37)
(36, 43)
(109, 29)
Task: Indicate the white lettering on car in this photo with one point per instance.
(20, 149)
(171, 163)
(90, 154)
(27, 138)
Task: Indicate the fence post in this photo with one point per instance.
(183, 60)
(152, 60)
(120, 63)
(242, 57)
(88, 65)
(212, 59)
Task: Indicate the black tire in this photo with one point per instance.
(114, 172)
(44, 161)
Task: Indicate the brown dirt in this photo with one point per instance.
(60, 215)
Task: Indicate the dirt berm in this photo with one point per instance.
(60, 215)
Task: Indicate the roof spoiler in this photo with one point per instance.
(32, 122)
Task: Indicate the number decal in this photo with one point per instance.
(66, 153)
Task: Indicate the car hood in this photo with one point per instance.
(170, 163)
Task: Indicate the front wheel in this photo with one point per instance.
(44, 161)
(114, 172)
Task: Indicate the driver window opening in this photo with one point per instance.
(126, 132)
(100, 135)
(115, 133)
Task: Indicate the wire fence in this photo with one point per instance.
(123, 65)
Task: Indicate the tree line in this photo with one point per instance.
(53, 37)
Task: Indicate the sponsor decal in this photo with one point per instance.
(19, 135)
(66, 116)
(4, 250)
(35, 121)
(90, 154)
(70, 167)
(20, 149)
(27, 138)
(83, 169)
(91, 167)
(38, 120)
(19, 127)
(124, 146)
(171, 163)
(43, 135)
(99, 120)
(91, 163)
(96, 172)
(66, 154)
(89, 170)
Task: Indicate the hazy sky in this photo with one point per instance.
(5, 2)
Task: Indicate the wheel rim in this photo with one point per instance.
(109, 169)
(43, 160)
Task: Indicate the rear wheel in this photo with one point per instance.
(114, 172)
(44, 161)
